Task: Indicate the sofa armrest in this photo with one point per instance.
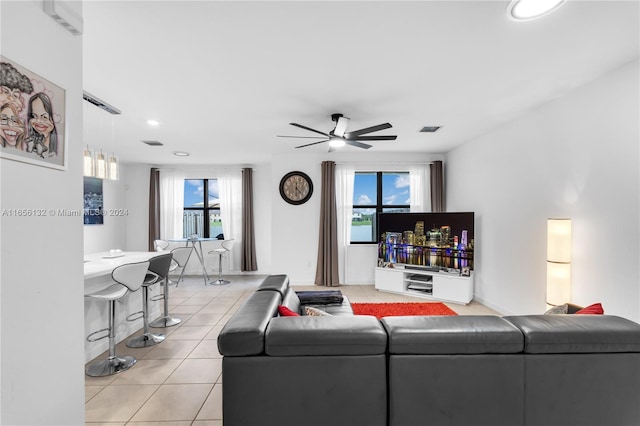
(244, 333)
(325, 335)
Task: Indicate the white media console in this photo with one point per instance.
(441, 286)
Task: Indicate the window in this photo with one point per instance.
(375, 193)
(201, 200)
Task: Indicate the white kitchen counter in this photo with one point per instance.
(97, 275)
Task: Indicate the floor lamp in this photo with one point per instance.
(558, 261)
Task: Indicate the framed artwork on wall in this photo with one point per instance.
(93, 202)
(32, 117)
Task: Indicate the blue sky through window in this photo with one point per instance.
(395, 189)
(194, 192)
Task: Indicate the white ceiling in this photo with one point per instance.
(225, 78)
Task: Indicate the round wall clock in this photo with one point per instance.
(296, 188)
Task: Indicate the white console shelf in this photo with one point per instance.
(440, 286)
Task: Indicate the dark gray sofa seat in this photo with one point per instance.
(466, 370)
(581, 370)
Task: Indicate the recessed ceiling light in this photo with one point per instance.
(180, 154)
(429, 129)
(524, 10)
(152, 122)
(153, 143)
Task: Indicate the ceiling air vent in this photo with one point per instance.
(153, 143)
(429, 129)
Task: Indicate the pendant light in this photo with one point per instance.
(112, 162)
(101, 165)
(112, 166)
(87, 157)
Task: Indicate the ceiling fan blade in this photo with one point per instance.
(301, 137)
(376, 138)
(358, 144)
(353, 135)
(341, 126)
(312, 143)
(309, 129)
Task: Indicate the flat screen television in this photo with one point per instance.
(430, 240)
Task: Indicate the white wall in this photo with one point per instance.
(113, 233)
(41, 280)
(136, 193)
(575, 157)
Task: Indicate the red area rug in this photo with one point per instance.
(401, 309)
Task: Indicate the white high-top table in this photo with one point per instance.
(97, 275)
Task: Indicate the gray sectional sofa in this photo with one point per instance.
(352, 370)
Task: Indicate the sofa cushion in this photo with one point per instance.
(325, 335)
(286, 312)
(595, 309)
(465, 334)
(291, 301)
(577, 333)
(279, 283)
(314, 312)
(558, 310)
(572, 308)
(243, 334)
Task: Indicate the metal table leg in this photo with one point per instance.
(205, 276)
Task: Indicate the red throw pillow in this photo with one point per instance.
(595, 309)
(286, 312)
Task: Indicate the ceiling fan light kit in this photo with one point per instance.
(336, 142)
(339, 137)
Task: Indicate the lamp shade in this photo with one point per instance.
(558, 283)
(558, 261)
(559, 240)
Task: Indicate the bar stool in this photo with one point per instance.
(225, 248)
(158, 271)
(181, 257)
(179, 254)
(160, 245)
(128, 277)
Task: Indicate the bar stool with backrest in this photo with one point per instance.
(158, 271)
(225, 247)
(180, 258)
(160, 245)
(128, 277)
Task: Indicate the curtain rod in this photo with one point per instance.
(385, 164)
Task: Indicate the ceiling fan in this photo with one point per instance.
(339, 136)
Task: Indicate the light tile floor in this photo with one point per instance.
(178, 382)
